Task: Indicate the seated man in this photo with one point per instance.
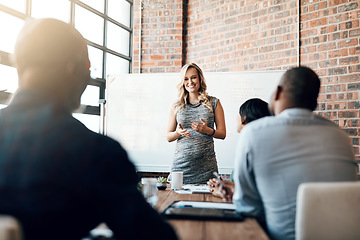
(56, 176)
(276, 154)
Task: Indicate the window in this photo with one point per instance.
(10, 76)
(90, 25)
(96, 60)
(116, 65)
(18, 5)
(58, 9)
(96, 4)
(120, 11)
(12, 28)
(115, 36)
(106, 25)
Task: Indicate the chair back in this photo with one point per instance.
(328, 211)
(10, 228)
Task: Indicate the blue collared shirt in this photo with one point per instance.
(275, 154)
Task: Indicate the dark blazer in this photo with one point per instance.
(61, 180)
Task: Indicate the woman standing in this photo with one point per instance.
(191, 124)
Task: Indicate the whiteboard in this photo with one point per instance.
(138, 105)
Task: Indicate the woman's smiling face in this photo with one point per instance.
(192, 81)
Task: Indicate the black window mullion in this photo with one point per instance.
(103, 86)
(129, 29)
(97, 82)
(131, 37)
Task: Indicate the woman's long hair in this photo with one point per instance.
(183, 94)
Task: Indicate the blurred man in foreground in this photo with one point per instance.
(58, 178)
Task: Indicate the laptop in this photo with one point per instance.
(202, 211)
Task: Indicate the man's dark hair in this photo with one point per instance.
(301, 87)
(253, 109)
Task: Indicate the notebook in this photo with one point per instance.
(202, 211)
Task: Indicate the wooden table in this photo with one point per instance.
(209, 230)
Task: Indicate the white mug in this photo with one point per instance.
(176, 180)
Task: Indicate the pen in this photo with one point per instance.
(218, 179)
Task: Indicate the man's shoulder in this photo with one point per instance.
(271, 123)
(84, 134)
(263, 122)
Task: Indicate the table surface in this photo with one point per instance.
(200, 229)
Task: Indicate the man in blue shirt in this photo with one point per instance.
(58, 178)
(275, 154)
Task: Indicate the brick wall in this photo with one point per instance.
(161, 38)
(239, 35)
(330, 45)
(242, 35)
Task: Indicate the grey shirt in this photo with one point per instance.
(195, 155)
(276, 154)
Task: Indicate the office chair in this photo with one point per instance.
(328, 211)
(10, 228)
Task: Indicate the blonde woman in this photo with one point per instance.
(191, 124)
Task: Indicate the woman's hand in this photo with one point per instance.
(181, 131)
(200, 128)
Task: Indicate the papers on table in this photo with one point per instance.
(194, 188)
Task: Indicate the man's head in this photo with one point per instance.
(52, 56)
(298, 88)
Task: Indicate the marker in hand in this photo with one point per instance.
(218, 179)
(223, 190)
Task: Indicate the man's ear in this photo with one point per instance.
(88, 64)
(278, 92)
(243, 120)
